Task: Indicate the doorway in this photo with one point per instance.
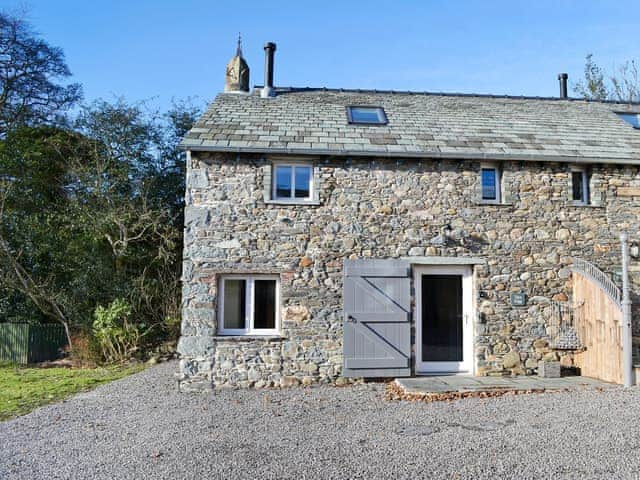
(443, 319)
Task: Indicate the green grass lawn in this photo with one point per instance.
(23, 389)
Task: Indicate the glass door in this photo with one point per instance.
(443, 320)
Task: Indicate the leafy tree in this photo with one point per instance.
(91, 209)
(31, 72)
(95, 214)
(42, 244)
(593, 87)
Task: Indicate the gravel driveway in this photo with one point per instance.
(141, 427)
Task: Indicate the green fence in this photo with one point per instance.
(25, 343)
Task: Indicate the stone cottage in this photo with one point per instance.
(335, 234)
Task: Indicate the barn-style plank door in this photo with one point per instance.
(377, 318)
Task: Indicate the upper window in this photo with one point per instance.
(490, 183)
(367, 115)
(248, 305)
(580, 185)
(632, 119)
(292, 182)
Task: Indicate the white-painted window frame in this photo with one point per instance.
(498, 183)
(586, 187)
(293, 165)
(250, 306)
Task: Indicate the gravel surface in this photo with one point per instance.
(141, 427)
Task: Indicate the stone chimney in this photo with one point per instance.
(237, 77)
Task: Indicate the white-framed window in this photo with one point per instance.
(249, 305)
(580, 185)
(292, 182)
(490, 184)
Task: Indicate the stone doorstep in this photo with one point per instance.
(464, 383)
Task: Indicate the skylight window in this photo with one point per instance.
(367, 115)
(632, 119)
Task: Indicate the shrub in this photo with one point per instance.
(84, 351)
(118, 337)
(171, 328)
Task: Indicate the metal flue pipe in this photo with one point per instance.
(562, 77)
(269, 51)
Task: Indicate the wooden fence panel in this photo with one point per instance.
(599, 326)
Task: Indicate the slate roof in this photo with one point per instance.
(313, 121)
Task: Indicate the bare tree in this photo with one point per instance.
(626, 83)
(623, 85)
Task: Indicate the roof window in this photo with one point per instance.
(366, 115)
(632, 119)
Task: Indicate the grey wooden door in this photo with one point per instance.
(377, 316)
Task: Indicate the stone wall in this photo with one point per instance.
(382, 208)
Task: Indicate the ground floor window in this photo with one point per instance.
(249, 305)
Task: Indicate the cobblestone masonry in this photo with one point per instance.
(382, 208)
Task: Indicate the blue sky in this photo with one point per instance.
(159, 49)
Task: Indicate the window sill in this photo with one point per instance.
(221, 337)
(493, 202)
(293, 202)
(585, 205)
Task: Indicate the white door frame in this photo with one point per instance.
(467, 364)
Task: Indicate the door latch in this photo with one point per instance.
(351, 318)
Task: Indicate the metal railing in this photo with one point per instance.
(561, 325)
(598, 276)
